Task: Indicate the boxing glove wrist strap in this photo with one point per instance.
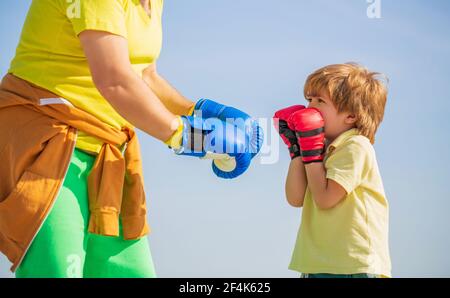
(295, 151)
(175, 140)
(309, 133)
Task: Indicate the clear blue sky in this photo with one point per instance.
(255, 55)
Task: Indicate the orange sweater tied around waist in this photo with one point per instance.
(36, 158)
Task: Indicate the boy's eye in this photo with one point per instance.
(308, 99)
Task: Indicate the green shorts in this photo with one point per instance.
(64, 248)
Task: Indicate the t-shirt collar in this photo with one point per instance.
(341, 139)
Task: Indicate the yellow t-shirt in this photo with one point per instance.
(351, 237)
(50, 55)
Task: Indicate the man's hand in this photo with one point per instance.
(200, 137)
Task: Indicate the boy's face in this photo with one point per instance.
(335, 123)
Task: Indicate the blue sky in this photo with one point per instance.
(255, 55)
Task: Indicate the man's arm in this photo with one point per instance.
(173, 100)
(325, 192)
(111, 70)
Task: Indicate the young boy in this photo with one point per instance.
(334, 174)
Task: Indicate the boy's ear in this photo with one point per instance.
(350, 119)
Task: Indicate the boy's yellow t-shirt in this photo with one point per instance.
(50, 55)
(351, 237)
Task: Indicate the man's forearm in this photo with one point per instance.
(135, 102)
(173, 100)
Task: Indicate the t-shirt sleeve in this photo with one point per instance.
(102, 15)
(346, 165)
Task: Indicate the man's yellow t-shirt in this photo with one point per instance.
(50, 55)
(351, 237)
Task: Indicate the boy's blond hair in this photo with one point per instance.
(354, 89)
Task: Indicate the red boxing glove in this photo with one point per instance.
(287, 133)
(309, 128)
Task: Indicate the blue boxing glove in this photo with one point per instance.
(206, 108)
(215, 139)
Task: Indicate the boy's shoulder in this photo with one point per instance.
(353, 151)
(351, 145)
(360, 141)
(352, 139)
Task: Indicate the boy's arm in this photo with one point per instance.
(309, 126)
(296, 183)
(325, 192)
(169, 96)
